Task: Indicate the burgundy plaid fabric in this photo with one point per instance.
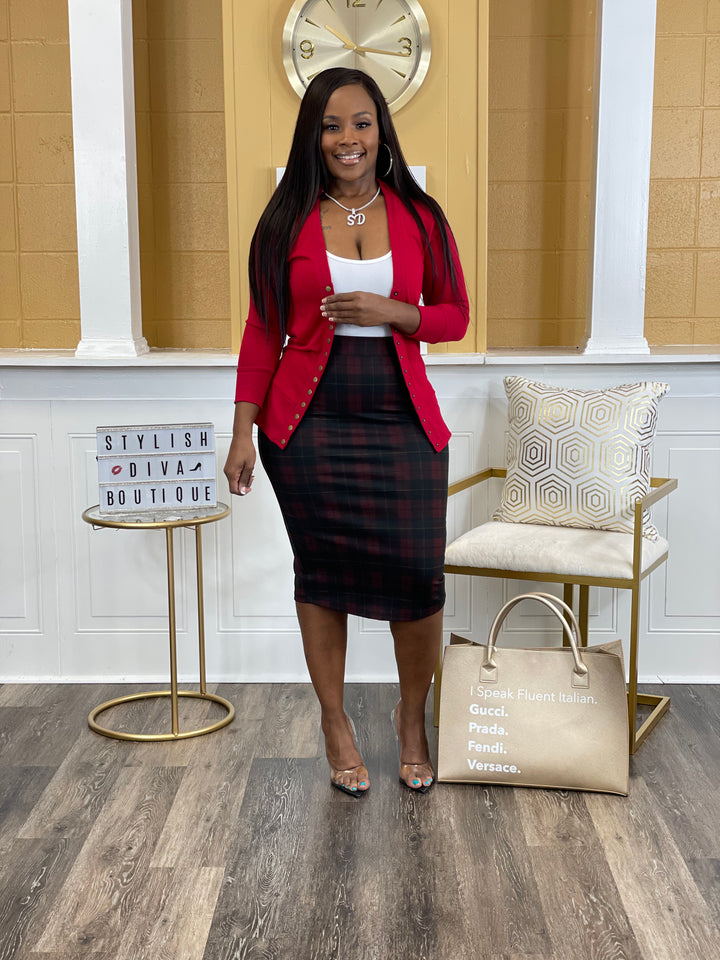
(362, 492)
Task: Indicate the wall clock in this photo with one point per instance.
(389, 39)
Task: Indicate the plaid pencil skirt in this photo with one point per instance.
(362, 492)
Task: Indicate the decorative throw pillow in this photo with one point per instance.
(579, 458)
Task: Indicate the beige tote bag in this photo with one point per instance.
(535, 717)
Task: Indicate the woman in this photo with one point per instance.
(350, 432)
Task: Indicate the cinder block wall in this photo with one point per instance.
(39, 300)
(540, 133)
(540, 143)
(182, 179)
(541, 71)
(683, 281)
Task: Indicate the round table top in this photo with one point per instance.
(159, 519)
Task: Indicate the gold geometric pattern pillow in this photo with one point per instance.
(579, 458)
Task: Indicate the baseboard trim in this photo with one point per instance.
(163, 681)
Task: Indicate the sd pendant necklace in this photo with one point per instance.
(354, 215)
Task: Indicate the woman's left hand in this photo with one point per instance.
(370, 310)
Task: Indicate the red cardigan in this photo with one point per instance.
(282, 382)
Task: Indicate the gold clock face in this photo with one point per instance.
(388, 39)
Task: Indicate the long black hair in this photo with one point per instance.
(306, 176)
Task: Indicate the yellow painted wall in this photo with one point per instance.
(540, 145)
(683, 267)
(540, 98)
(540, 138)
(181, 173)
(39, 299)
(438, 129)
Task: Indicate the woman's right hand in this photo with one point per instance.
(241, 456)
(239, 465)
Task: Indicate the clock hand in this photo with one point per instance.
(348, 44)
(389, 53)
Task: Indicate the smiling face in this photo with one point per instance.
(351, 137)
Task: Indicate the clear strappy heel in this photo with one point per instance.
(335, 772)
(410, 769)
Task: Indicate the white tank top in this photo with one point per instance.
(371, 276)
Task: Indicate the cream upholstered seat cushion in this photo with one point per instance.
(535, 548)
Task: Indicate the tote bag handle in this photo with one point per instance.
(488, 670)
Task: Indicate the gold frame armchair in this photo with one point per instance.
(627, 560)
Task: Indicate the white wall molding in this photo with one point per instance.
(619, 199)
(106, 197)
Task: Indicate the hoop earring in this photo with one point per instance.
(390, 166)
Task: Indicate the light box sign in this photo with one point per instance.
(154, 468)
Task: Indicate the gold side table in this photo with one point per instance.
(190, 518)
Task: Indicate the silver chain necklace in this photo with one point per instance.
(354, 215)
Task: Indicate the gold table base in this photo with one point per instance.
(195, 520)
(184, 735)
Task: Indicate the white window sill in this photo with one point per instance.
(223, 358)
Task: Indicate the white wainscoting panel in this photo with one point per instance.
(257, 635)
(684, 596)
(260, 556)
(19, 568)
(84, 604)
(692, 591)
(114, 597)
(28, 597)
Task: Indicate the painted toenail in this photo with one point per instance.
(416, 782)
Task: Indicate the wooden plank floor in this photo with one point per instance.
(233, 845)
